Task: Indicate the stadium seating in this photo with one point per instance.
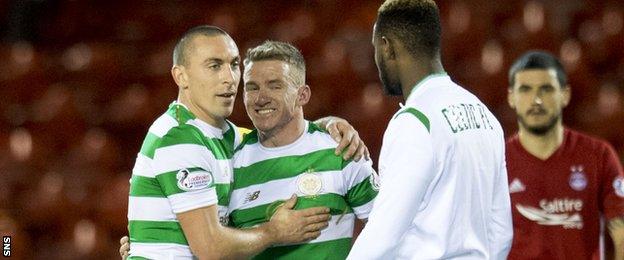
(83, 83)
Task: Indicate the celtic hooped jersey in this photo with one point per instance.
(264, 177)
(184, 164)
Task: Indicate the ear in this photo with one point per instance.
(567, 95)
(303, 96)
(388, 48)
(179, 76)
(510, 98)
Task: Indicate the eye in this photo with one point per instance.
(548, 88)
(275, 86)
(251, 87)
(524, 89)
(235, 64)
(215, 66)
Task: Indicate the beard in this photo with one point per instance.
(392, 88)
(539, 130)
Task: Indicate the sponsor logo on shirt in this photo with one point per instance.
(578, 181)
(193, 180)
(251, 196)
(618, 186)
(557, 212)
(516, 186)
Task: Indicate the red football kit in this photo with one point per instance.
(557, 203)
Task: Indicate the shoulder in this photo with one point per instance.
(162, 125)
(185, 141)
(513, 149)
(512, 141)
(319, 135)
(167, 131)
(182, 134)
(319, 144)
(409, 113)
(581, 141)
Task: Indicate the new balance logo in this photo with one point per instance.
(252, 196)
(516, 186)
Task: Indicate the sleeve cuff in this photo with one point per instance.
(186, 201)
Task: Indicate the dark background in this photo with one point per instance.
(81, 81)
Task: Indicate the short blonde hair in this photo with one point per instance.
(282, 51)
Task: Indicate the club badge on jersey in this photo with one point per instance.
(578, 181)
(309, 183)
(618, 186)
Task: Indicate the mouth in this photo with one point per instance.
(229, 95)
(536, 112)
(265, 111)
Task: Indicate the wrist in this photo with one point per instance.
(268, 234)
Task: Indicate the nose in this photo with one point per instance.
(537, 99)
(262, 97)
(229, 75)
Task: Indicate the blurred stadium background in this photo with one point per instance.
(81, 81)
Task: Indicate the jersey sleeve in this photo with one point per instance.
(409, 169)
(182, 166)
(362, 185)
(612, 184)
(500, 228)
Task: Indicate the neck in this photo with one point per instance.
(541, 146)
(285, 134)
(412, 72)
(199, 113)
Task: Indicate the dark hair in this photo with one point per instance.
(538, 60)
(183, 46)
(416, 23)
(282, 51)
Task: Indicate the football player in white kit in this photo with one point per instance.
(444, 187)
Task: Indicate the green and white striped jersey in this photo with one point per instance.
(264, 177)
(184, 164)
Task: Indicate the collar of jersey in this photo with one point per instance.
(205, 127)
(422, 85)
(288, 146)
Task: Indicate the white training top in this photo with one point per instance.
(444, 187)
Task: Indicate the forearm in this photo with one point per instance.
(208, 239)
(242, 243)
